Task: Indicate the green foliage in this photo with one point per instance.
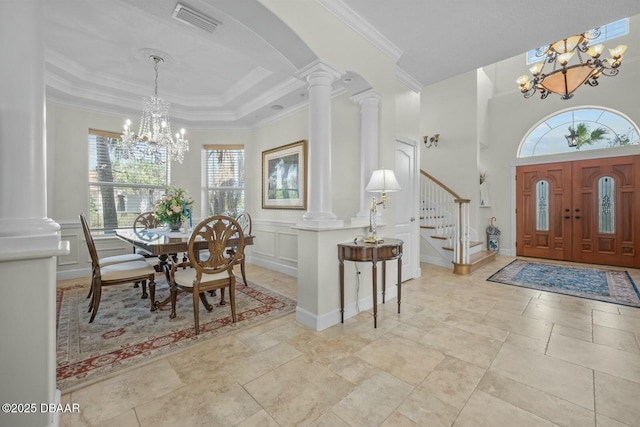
(587, 138)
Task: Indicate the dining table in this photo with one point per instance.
(167, 244)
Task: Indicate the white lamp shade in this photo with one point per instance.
(383, 180)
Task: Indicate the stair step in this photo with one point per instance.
(476, 261)
(471, 245)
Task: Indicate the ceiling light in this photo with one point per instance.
(155, 128)
(566, 76)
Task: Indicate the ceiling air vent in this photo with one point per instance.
(195, 19)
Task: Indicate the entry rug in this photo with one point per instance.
(125, 332)
(592, 283)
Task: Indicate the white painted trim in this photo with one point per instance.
(408, 80)
(434, 260)
(285, 269)
(361, 26)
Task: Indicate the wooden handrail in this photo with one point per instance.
(444, 187)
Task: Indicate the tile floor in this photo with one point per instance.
(464, 352)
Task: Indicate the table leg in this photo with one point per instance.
(384, 279)
(399, 282)
(375, 295)
(341, 290)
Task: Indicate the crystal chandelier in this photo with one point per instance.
(155, 128)
(566, 77)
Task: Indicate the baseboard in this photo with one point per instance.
(324, 321)
(73, 274)
(284, 269)
(435, 260)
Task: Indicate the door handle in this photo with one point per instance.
(577, 217)
(567, 217)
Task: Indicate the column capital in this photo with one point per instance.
(318, 68)
(369, 97)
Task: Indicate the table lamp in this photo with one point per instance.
(382, 181)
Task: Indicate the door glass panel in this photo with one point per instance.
(606, 204)
(542, 206)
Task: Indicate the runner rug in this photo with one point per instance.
(592, 283)
(125, 332)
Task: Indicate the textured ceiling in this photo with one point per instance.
(97, 52)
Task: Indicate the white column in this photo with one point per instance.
(319, 205)
(29, 241)
(369, 102)
(23, 213)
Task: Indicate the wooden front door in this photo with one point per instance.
(591, 210)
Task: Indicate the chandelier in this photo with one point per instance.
(155, 128)
(566, 77)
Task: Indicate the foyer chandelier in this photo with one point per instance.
(568, 76)
(155, 128)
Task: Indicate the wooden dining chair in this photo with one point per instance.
(110, 260)
(244, 220)
(208, 273)
(114, 274)
(145, 221)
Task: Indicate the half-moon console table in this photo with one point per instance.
(385, 250)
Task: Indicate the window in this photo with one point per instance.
(595, 128)
(542, 205)
(607, 32)
(223, 189)
(122, 185)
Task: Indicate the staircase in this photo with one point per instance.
(444, 224)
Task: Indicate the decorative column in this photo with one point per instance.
(320, 77)
(29, 241)
(23, 213)
(369, 102)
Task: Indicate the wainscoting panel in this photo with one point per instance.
(288, 246)
(275, 246)
(73, 258)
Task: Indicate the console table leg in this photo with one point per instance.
(399, 282)
(341, 291)
(375, 295)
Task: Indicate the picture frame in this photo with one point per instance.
(284, 177)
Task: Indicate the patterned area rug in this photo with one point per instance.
(125, 332)
(592, 283)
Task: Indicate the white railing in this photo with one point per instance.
(447, 213)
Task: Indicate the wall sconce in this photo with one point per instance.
(428, 142)
(382, 181)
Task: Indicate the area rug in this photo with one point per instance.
(592, 283)
(125, 332)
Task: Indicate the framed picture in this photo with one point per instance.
(284, 177)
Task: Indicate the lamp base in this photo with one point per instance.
(373, 239)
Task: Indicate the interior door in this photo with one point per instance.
(582, 211)
(543, 205)
(406, 206)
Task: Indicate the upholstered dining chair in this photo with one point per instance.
(110, 260)
(115, 274)
(202, 273)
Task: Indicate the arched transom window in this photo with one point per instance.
(579, 129)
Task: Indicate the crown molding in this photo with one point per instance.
(361, 26)
(408, 80)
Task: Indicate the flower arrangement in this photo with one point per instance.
(174, 206)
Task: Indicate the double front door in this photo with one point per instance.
(585, 211)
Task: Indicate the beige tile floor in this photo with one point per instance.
(464, 352)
